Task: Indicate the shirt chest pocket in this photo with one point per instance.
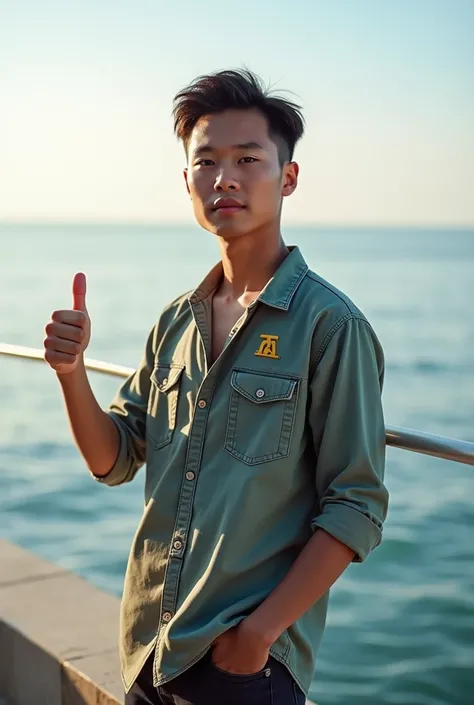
(261, 416)
(163, 403)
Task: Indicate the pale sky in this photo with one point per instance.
(86, 89)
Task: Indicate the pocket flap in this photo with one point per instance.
(262, 388)
(166, 376)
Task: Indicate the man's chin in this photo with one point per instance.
(228, 231)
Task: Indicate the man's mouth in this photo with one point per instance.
(227, 206)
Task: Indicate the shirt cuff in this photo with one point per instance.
(349, 526)
(120, 470)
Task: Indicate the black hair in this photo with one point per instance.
(238, 89)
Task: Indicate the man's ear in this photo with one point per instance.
(290, 178)
(185, 174)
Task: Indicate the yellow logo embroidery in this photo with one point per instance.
(268, 347)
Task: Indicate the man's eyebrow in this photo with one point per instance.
(207, 148)
(248, 145)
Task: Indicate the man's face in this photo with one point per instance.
(234, 175)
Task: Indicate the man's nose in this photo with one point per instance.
(226, 181)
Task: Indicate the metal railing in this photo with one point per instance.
(398, 437)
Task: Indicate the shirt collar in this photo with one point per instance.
(279, 290)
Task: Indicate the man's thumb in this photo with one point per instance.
(79, 292)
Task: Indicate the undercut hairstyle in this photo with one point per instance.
(238, 90)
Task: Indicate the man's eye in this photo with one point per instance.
(205, 162)
(248, 160)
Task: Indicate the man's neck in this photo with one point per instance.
(248, 264)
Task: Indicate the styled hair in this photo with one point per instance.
(238, 90)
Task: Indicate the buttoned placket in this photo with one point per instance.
(194, 454)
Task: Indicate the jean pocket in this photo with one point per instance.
(247, 677)
(261, 416)
(163, 403)
(238, 688)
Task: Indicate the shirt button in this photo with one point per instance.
(260, 393)
(177, 545)
(202, 404)
(166, 616)
(190, 475)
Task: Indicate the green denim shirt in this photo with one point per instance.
(245, 459)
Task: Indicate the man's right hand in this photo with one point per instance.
(68, 332)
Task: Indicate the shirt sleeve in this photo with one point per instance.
(128, 411)
(347, 422)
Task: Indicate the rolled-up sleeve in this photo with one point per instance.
(347, 422)
(128, 411)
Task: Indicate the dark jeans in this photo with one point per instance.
(205, 684)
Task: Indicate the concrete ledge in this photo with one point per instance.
(58, 635)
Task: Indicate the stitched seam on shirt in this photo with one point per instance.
(267, 399)
(246, 458)
(203, 329)
(258, 459)
(282, 660)
(229, 442)
(189, 519)
(178, 573)
(328, 337)
(280, 375)
(350, 505)
(283, 303)
(170, 556)
(128, 683)
(293, 289)
(160, 625)
(316, 279)
(180, 558)
(331, 333)
(236, 424)
(230, 427)
(164, 441)
(174, 395)
(295, 693)
(294, 404)
(288, 645)
(165, 679)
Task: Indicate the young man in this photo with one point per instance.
(257, 410)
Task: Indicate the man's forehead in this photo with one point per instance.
(230, 127)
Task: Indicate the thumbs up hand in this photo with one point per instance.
(68, 332)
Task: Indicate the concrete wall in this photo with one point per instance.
(58, 635)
